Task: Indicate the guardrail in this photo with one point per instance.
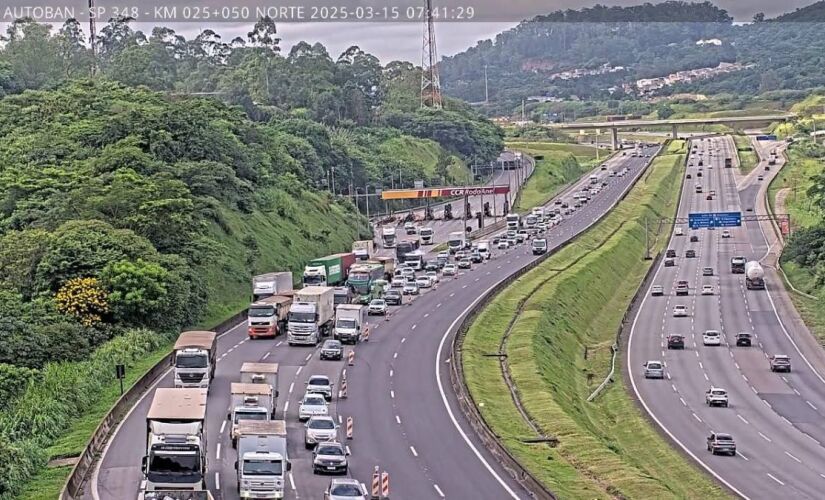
(466, 402)
(97, 443)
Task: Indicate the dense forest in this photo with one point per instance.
(140, 190)
(645, 41)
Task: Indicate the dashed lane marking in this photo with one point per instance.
(742, 418)
(438, 490)
(398, 420)
(415, 453)
(793, 457)
(766, 438)
(774, 478)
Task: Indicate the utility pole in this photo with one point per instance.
(367, 197)
(647, 243)
(486, 89)
(522, 113)
(93, 36)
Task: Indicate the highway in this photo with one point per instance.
(405, 418)
(774, 418)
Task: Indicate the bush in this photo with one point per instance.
(13, 381)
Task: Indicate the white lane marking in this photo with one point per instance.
(683, 401)
(299, 370)
(438, 305)
(811, 404)
(464, 286)
(392, 393)
(797, 392)
(279, 343)
(742, 418)
(706, 376)
(743, 456)
(415, 453)
(774, 478)
(291, 387)
(438, 490)
(426, 315)
(390, 373)
(766, 438)
(697, 417)
(223, 427)
(229, 350)
(340, 419)
(404, 339)
(395, 355)
(291, 481)
(398, 420)
(218, 452)
(265, 356)
(309, 356)
(793, 457)
(286, 406)
(217, 481)
(413, 327)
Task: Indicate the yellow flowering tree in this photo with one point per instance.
(83, 298)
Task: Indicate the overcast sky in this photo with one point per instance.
(388, 41)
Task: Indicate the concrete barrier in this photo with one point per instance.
(91, 453)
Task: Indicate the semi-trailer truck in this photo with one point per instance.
(362, 278)
(350, 320)
(388, 237)
(737, 265)
(262, 373)
(388, 263)
(267, 317)
(362, 249)
(328, 271)
(754, 276)
(175, 440)
(405, 247)
(457, 241)
(249, 402)
(269, 284)
(311, 315)
(513, 221)
(262, 459)
(195, 359)
(426, 234)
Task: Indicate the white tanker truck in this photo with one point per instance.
(754, 276)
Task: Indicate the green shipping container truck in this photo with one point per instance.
(331, 270)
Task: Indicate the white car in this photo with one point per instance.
(433, 275)
(678, 232)
(377, 306)
(449, 270)
(312, 405)
(410, 289)
(716, 396)
(423, 282)
(679, 311)
(503, 244)
(443, 255)
(712, 337)
(407, 271)
(398, 283)
(708, 290)
(725, 234)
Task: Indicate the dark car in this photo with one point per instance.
(669, 262)
(393, 297)
(694, 238)
(476, 257)
(670, 253)
(690, 254)
(699, 173)
(675, 341)
(688, 176)
(431, 265)
(743, 339)
(332, 349)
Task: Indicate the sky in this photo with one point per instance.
(386, 40)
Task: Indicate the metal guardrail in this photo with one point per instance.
(97, 442)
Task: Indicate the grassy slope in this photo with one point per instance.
(797, 176)
(747, 156)
(551, 174)
(606, 448)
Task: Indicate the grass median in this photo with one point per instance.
(558, 350)
(747, 156)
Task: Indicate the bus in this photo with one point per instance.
(404, 247)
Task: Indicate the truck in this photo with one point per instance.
(269, 284)
(262, 373)
(362, 249)
(426, 234)
(328, 271)
(341, 295)
(388, 263)
(267, 317)
(531, 221)
(415, 260)
(362, 278)
(175, 441)
(249, 402)
(594, 179)
(409, 228)
(539, 212)
(513, 221)
(311, 315)
(405, 247)
(754, 276)
(457, 241)
(262, 459)
(388, 237)
(737, 265)
(350, 320)
(195, 359)
(728, 162)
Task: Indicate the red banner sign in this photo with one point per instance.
(401, 194)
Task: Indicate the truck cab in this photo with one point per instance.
(267, 317)
(513, 221)
(302, 326)
(409, 228)
(195, 359)
(457, 241)
(249, 402)
(388, 238)
(350, 320)
(426, 234)
(263, 460)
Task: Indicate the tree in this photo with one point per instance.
(759, 17)
(263, 35)
(84, 299)
(138, 292)
(664, 111)
(71, 45)
(32, 54)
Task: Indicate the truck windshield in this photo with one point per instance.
(191, 361)
(250, 415)
(426, 232)
(346, 323)
(262, 468)
(261, 312)
(455, 243)
(177, 463)
(359, 276)
(313, 280)
(302, 317)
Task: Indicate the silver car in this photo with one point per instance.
(654, 369)
(345, 488)
(312, 405)
(320, 429)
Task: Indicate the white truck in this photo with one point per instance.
(262, 373)
(754, 276)
(311, 315)
(350, 320)
(362, 249)
(426, 234)
(269, 284)
(513, 221)
(594, 179)
(388, 238)
(175, 495)
(538, 212)
(484, 248)
(530, 221)
(175, 441)
(249, 402)
(195, 359)
(457, 241)
(262, 459)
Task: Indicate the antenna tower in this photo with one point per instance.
(430, 85)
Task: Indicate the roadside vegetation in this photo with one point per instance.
(748, 159)
(559, 349)
(557, 164)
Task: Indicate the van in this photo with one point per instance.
(484, 249)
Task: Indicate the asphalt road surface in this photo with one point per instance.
(775, 419)
(405, 418)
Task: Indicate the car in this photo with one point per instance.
(443, 255)
(378, 306)
(312, 405)
(319, 429)
(675, 341)
(433, 275)
(603, 167)
(411, 289)
(542, 226)
(332, 349)
(694, 238)
(780, 363)
(679, 311)
(423, 282)
(604, 183)
(654, 369)
(711, 337)
(669, 262)
(716, 396)
(320, 384)
(476, 257)
(726, 234)
(465, 263)
(345, 488)
(688, 176)
(708, 290)
(707, 271)
(709, 197)
(521, 235)
(657, 290)
(699, 174)
(410, 228)
(410, 278)
(670, 253)
(407, 271)
(503, 244)
(449, 270)
(719, 442)
(760, 178)
(329, 457)
(577, 204)
(398, 282)
(690, 254)
(743, 339)
(678, 232)
(558, 202)
(682, 288)
(393, 298)
(432, 265)
(564, 204)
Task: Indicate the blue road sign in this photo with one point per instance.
(765, 137)
(701, 220)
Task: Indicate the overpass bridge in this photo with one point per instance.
(614, 126)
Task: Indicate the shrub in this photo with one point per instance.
(84, 299)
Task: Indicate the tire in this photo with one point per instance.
(307, 446)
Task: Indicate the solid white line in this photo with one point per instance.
(218, 452)
(223, 427)
(217, 481)
(793, 457)
(415, 453)
(438, 490)
(742, 418)
(774, 478)
(398, 419)
(291, 481)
